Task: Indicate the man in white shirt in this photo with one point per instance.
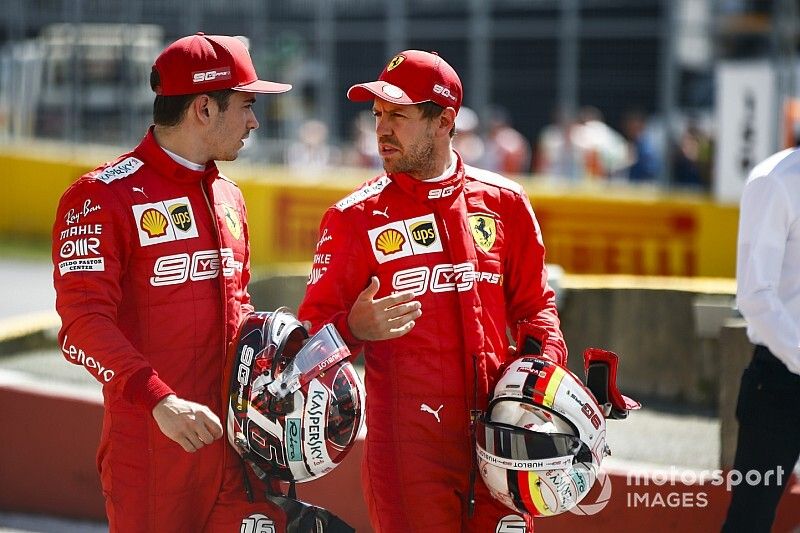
(768, 296)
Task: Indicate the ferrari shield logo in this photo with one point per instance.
(396, 60)
(232, 221)
(483, 231)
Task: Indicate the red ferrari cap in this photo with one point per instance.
(413, 77)
(202, 63)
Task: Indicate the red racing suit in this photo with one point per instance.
(470, 249)
(151, 268)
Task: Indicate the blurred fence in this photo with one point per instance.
(86, 79)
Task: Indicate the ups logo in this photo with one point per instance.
(180, 216)
(423, 233)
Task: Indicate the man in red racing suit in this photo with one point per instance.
(448, 263)
(151, 255)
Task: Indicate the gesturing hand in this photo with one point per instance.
(190, 424)
(385, 318)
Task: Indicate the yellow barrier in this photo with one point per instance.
(601, 231)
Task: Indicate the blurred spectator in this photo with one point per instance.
(691, 158)
(556, 153)
(646, 164)
(605, 150)
(507, 150)
(363, 151)
(311, 154)
(467, 141)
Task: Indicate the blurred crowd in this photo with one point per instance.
(581, 148)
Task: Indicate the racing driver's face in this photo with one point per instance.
(405, 139)
(231, 127)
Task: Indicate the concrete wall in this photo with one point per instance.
(654, 327)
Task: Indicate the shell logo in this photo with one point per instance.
(390, 241)
(154, 223)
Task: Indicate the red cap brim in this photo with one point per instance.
(265, 87)
(363, 92)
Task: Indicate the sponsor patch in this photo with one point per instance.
(484, 231)
(233, 221)
(403, 238)
(181, 216)
(77, 231)
(73, 216)
(390, 241)
(392, 91)
(93, 264)
(319, 267)
(315, 422)
(123, 169)
(324, 238)
(81, 357)
(444, 277)
(80, 248)
(293, 443)
(202, 76)
(167, 221)
(257, 523)
(154, 223)
(367, 191)
(203, 264)
(423, 233)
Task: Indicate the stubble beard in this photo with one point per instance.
(417, 161)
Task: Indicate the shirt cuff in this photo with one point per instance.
(144, 388)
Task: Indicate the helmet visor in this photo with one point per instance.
(522, 449)
(324, 349)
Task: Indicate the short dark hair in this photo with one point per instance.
(169, 110)
(431, 110)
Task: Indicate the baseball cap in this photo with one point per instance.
(413, 77)
(202, 63)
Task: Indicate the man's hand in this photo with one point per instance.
(385, 318)
(190, 424)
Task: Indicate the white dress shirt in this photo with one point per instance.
(768, 256)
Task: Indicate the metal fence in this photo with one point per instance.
(85, 79)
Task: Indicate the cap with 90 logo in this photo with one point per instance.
(413, 77)
(202, 63)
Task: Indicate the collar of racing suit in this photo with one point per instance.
(151, 151)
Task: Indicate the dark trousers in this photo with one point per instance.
(769, 440)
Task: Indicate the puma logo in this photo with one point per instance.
(427, 409)
(139, 189)
(385, 212)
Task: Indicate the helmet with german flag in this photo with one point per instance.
(542, 438)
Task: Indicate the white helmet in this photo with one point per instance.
(296, 405)
(542, 439)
